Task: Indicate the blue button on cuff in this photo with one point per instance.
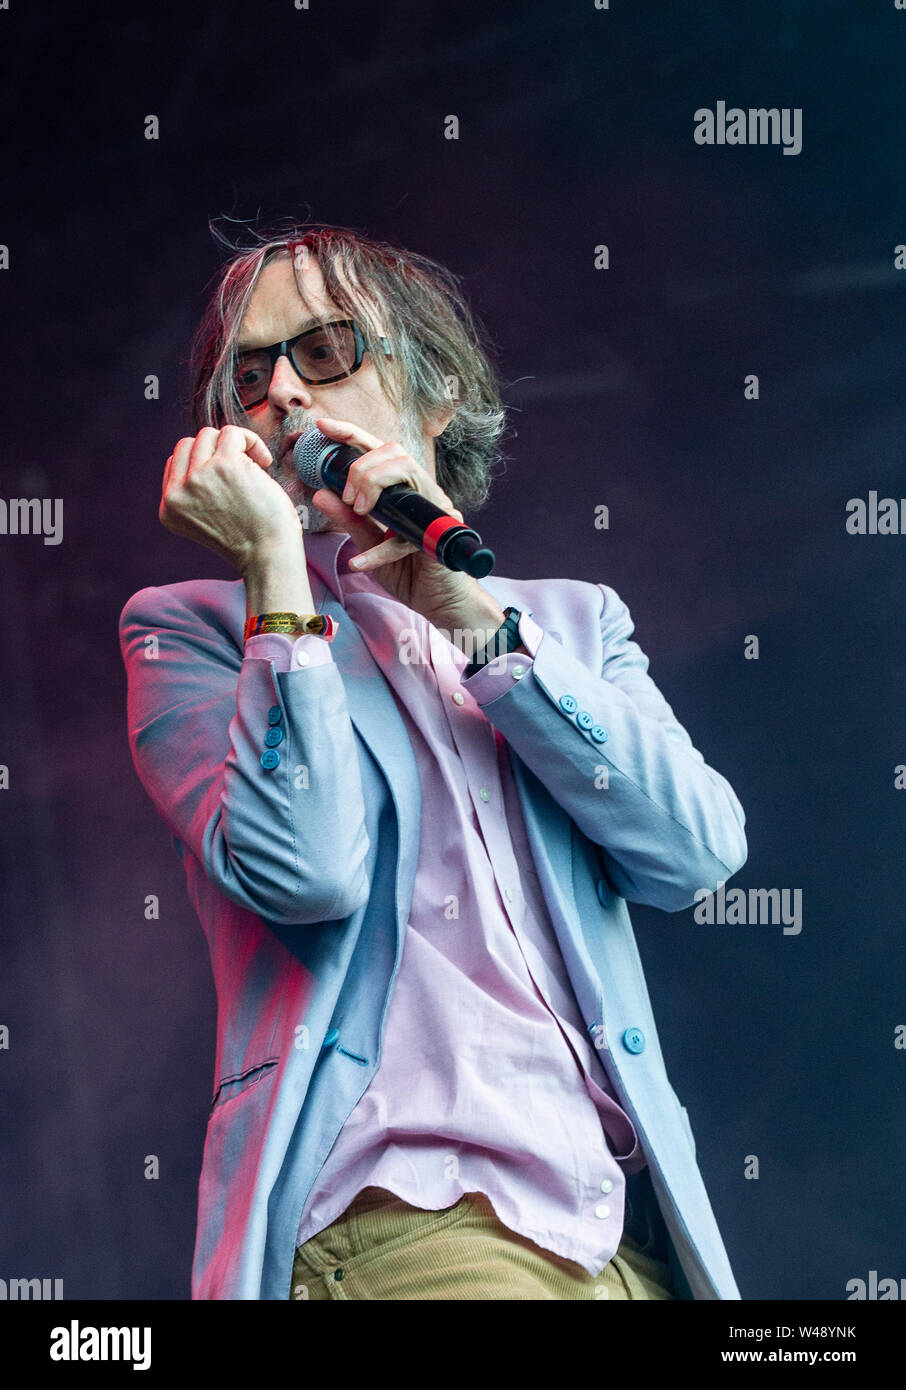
(274, 714)
(273, 737)
(270, 759)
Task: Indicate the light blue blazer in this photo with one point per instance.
(302, 879)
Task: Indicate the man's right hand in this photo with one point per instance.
(217, 491)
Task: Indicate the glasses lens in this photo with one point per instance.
(252, 378)
(325, 352)
(321, 355)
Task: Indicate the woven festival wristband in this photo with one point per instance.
(293, 624)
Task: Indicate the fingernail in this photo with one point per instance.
(356, 562)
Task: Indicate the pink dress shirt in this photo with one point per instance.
(488, 1080)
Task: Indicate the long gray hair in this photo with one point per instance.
(437, 355)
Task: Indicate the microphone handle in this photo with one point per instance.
(416, 519)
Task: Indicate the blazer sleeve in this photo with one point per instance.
(609, 749)
(288, 843)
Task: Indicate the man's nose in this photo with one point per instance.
(287, 390)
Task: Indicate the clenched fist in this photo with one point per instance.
(216, 491)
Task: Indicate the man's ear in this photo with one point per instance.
(436, 424)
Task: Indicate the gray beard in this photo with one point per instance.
(300, 494)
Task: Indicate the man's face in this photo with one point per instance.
(275, 314)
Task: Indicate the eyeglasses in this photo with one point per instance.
(320, 355)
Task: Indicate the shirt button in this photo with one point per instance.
(607, 1185)
(270, 759)
(602, 1210)
(518, 671)
(484, 794)
(302, 658)
(457, 697)
(274, 714)
(508, 894)
(273, 736)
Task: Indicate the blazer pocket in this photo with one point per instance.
(232, 1086)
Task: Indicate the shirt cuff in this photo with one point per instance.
(502, 673)
(287, 653)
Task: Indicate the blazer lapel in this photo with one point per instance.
(374, 713)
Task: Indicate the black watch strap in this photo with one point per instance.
(504, 640)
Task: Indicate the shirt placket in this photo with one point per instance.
(475, 740)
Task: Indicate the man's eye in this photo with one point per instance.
(249, 376)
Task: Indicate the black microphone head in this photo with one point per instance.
(309, 453)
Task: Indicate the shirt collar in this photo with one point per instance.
(322, 551)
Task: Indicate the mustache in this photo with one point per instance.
(296, 420)
(284, 473)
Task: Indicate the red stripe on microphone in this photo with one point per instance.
(437, 528)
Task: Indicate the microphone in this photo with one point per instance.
(322, 462)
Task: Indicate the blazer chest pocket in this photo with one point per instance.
(232, 1086)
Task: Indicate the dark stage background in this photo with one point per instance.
(626, 386)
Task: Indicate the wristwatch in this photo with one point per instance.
(505, 639)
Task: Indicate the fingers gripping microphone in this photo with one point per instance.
(322, 462)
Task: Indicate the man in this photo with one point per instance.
(410, 839)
